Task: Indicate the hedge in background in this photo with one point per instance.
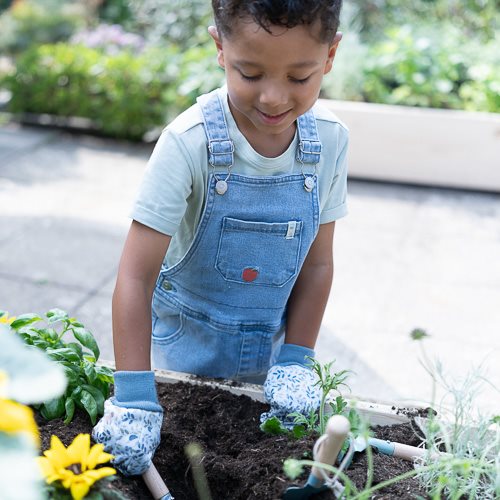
(436, 67)
(125, 95)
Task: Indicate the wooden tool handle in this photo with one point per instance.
(337, 429)
(156, 485)
(407, 452)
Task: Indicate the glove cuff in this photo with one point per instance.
(136, 389)
(292, 354)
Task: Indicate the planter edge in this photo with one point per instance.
(377, 413)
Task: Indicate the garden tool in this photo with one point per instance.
(389, 448)
(337, 429)
(156, 485)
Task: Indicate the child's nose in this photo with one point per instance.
(273, 96)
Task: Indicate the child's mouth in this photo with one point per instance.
(272, 119)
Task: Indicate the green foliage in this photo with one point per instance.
(433, 67)
(329, 382)
(88, 384)
(29, 23)
(464, 445)
(180, 22)
(478, 18)
(116, 12)
(125, 95)
(273, 426)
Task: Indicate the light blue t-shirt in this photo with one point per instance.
(173, 191)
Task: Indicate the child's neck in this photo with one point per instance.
(270, 145)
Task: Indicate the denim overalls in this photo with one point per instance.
(220, 311)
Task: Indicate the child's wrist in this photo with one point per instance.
(136, 389)
(293, 354)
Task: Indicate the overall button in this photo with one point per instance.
(309, 184)
(221, 187)
(166, 285)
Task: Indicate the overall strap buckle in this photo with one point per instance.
(220, 145)
(309, 150)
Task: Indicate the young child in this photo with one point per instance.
(228, 261)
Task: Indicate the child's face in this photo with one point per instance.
(272, 78)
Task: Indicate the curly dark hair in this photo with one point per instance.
(284, 13)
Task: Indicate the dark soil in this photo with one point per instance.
(240, 461)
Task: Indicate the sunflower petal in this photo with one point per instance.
(98, 456)
(79, 489)
(78, 450)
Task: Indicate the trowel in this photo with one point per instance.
(337, 429)
(390, 448)
(156, 485)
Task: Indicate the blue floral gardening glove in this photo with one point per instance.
(290, 385)
(130, 427)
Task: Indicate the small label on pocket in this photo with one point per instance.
(292, 227)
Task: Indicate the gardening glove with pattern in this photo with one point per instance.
(290, 386)
(130, 427)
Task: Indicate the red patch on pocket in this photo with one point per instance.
(249, 274)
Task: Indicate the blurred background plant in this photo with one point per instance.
(130, 66)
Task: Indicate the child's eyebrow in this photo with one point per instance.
(301, 64)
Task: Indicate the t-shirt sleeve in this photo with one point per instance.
(335, 206)
(161, 200)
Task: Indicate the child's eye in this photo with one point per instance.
(299, 80)
(249, 78)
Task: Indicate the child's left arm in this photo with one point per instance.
(290, 386)
(309, 296)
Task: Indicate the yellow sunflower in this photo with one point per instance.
(75, 466)
(15, 417)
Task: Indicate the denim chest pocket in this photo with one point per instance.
(259, 253)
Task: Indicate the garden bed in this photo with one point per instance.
(240, 461)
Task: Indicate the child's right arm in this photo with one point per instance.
(140, 264)
(131, 424)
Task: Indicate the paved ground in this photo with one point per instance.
(406, 257)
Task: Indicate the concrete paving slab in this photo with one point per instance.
(13, 141)
(19, 296)
(61, 251)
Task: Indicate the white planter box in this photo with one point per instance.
(434, 147)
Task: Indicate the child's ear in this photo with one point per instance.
(332, 51)
(212, 30)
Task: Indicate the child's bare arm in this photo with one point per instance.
(140, 264)
(310, 294)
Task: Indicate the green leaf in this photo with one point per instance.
(64, 353)
(76, 394)
(89, 370)
(87, 340)
(273, 426)
(105, 374)
(53, 408)
(97, 395)
(72, 372)
(55, 315)
(69, 406)
(90, 405)
(24, 320)
(76, 347)
(298, 431)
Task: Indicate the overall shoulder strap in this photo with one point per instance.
(309, 150)
(220, 146)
